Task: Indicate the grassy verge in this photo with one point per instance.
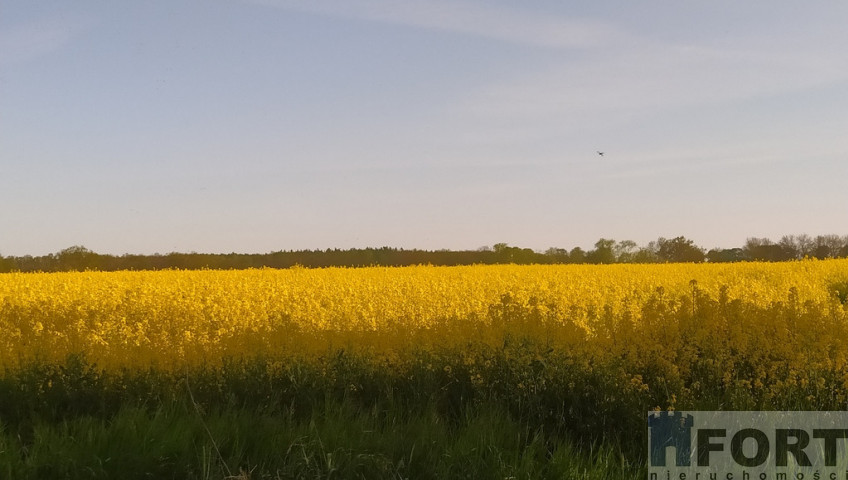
(343, 416)
(341, 440)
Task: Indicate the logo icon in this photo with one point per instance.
(670, 429)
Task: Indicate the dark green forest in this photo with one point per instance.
(663, 250)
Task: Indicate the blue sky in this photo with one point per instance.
(255, 126)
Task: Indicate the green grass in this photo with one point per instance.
(340, 441)
(343, 418)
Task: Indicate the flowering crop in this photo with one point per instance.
(172, 319)
(747, 335)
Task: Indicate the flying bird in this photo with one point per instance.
(601, 153)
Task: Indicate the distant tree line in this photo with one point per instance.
(606, 251)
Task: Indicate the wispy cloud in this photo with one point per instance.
(617, 86)
(490, 21)
(650, 77)
(625, 76)
(25, 42)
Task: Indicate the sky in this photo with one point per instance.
(255, 126)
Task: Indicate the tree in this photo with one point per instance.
(603, 252)
(806, 245)
(76, 258)
(719, 255)
(557, 255)
(506, 254)
(763, 249)
(790, 247)
(577, 255)
(624, 251)
(647, 254)
(6, 265)
(827, 246)
(796, 246)
(679, 250)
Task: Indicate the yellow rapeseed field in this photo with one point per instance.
(173, 319)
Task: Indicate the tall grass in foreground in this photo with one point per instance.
(341, 441)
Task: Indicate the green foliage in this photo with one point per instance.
(342, 441)
(679, 250)
(603, 252)
(840, 290)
